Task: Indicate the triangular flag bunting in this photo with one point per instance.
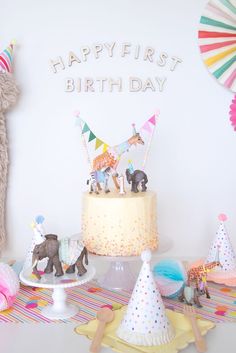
(147, 127)
(105, 147)
(91, 136)
(98, 143)
(85, 128)
(152, 120)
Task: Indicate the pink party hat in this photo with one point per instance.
(221, 248)
(145, 322)
(6, 58)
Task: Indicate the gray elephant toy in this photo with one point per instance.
(191, 296)
(137, 177)
(68, 251)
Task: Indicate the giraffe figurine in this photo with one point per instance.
(111, 157)
(199, 275)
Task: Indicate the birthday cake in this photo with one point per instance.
(116, 225)
(120, 222)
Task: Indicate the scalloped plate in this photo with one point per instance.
(183, 334)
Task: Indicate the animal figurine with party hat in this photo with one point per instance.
(145, 322)
(8, 97)
(111, 157)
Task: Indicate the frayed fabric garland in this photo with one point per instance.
(8, 96)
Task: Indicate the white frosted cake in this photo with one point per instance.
(116, 225)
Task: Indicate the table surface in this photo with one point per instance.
(61, 338)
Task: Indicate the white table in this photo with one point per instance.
(61, 338)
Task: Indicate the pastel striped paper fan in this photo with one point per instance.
(217, 41)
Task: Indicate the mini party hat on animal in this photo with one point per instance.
(6, 58)
(145, 322)
(38, 238)
(221, 248)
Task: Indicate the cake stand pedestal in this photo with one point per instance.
(60, 309)
(119, 275)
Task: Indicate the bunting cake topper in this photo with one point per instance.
(217, 41)
(108, 157)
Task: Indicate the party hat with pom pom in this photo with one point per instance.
(145, 322)
(6, 58)
(221, 248)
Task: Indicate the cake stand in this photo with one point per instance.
(119, 275)
(60, 309)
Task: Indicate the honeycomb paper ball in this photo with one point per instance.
(9, 286)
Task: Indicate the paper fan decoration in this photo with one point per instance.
(9, 286)
(232, 113)
(217, 41)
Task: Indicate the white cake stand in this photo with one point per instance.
(60, 309)
(119, 275)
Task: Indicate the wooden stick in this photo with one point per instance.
(97, 340)
(199, 340)
(148, 148)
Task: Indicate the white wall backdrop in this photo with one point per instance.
(192, 160)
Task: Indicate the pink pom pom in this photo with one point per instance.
(77, 113)
(222, 217)
(157, 113)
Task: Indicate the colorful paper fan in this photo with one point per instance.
(217, 41)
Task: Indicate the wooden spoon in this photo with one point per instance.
(104, 316)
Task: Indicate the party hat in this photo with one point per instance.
(130, 166)
(221, 248)
(6, 58)
(38, 238)
(134, 129)
(145, 322)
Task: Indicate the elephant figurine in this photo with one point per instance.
(68, 251)
(191, 296)
(138, 176)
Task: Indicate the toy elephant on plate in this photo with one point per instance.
(68, 251)
(135, 178)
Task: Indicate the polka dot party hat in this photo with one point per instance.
(6, 58)
(145, 322)
(221, 248)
